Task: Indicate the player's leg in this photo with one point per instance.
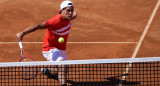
(65, 57)
(62, 69)
(57, 55)
(62, 73)
(51, 55)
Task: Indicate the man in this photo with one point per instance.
(58, 26)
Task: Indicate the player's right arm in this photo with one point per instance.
(30, 29)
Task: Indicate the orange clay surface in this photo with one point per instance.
(98, 21)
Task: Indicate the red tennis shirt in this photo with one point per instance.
(56, 27)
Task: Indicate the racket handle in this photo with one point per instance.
(20, 45)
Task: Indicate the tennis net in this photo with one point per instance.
(97, 72)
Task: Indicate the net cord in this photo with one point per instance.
(70, 62)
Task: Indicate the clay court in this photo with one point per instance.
(104, 29)
(116, 26)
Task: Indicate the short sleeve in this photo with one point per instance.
(52, 22)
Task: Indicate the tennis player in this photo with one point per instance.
(58, 26)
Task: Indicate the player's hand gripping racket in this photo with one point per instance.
(26, 72)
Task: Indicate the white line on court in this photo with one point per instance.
(74, 42)
(103, 42)
(140, 41)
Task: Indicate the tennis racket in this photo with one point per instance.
(26, 72)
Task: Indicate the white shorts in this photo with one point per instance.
(55, 55)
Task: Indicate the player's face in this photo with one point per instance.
(67, 13)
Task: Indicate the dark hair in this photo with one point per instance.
(70, 4)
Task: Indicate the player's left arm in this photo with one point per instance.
(75, 15)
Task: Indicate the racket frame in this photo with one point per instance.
(26, 56)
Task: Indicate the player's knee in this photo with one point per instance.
(60, 59)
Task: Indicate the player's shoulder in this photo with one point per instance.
(56, 18)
